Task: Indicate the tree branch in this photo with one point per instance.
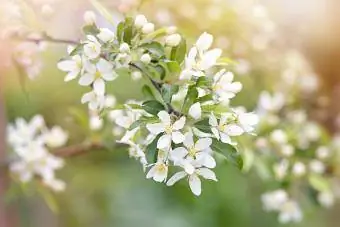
(47, 38)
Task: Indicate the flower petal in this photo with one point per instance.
(225, 138)
(189, 140)
(203, 144)
(195, 111)
(164, 117)
(179, 124)
(207, 174)
(86, 79)
(151, 172)
(164, 142)
(195, 184)
(99, 86)
(204, 42)
(177, 137)
(155, 128)
(234, 130)
(176, 177)
(178, 153)
(213, 120)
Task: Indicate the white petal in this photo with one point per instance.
(176, 177)
(189, 140)
(86, 79)
(210, 58)
(216, 133)
(110, 76)
(164, 142)
(195, 111)
(188, 167)
(206, 160)
(179, 124)
(164, 117)
(207, 174)
(225, 138)
(177, 137)
(213, 120)
(234, 130)
(104, 66)
(67, 65)
(178, 153)
(71, 76)
(204, 42)
(151, 172)
(195, 184)
(203, 144)
(155, 128)
(99, 86)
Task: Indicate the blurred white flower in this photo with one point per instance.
(148, 28)
(299, 169)
(173, 40)
(278, 137)
(326, 199)
(140, 21)
(271, 103)
(106, 35)
(89, 17)
(95, 101)
(195, 111)
(55, 137)
(272, 201)
(317, 166)
(145, 58)
(290, 212)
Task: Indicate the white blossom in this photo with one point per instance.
(55, 137)
(272, 201)
(222, 129)
(290, 212)
(299, 169)
(193, 179)
(92, 47)
(158, 172)
(317, 166)
(223, 85)
(97, 75)
(271, 103)
(73, 67)
(170, 131)
(199, 59)
(192, 154)
(95, 101)
(326, 199)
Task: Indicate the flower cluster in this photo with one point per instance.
(297, 153)
(31, 142)
(185, 117)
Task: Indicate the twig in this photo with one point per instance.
(47, 38)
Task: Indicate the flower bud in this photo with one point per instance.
(171, 30)
(124, 48)
(148, 28)
(140, 21)
(322, 152)
(96, 123)
(105, 35)
(89, 17)
(136, 75)
(146, 58)
(173, 40)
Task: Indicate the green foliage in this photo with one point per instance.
(153, 107)
(178, 53)
(151, 150)
(155, 48)
(203, 125)
(168, 91)
(229, 152)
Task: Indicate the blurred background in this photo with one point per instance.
(294, 40)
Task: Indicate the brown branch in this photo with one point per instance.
(47, 38)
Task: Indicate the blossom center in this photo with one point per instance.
(192, 152)
(168, 129)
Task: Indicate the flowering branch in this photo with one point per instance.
(47, 38)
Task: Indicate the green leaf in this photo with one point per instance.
(319, 183)
(190, 98)
(147, 92)
(204, 81)
(120, 31)
(161, 71)
(154, 48)
(173, 66)
(153, 107)
(151, 151)
(135, 124)
(103, 11)
(80, 117)
(128, 26)
(229, 152)
(208, 108)
(168, 91)
(203, 125)
(91, 29)
(178, 53)
(153, 35)
(205, 98)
